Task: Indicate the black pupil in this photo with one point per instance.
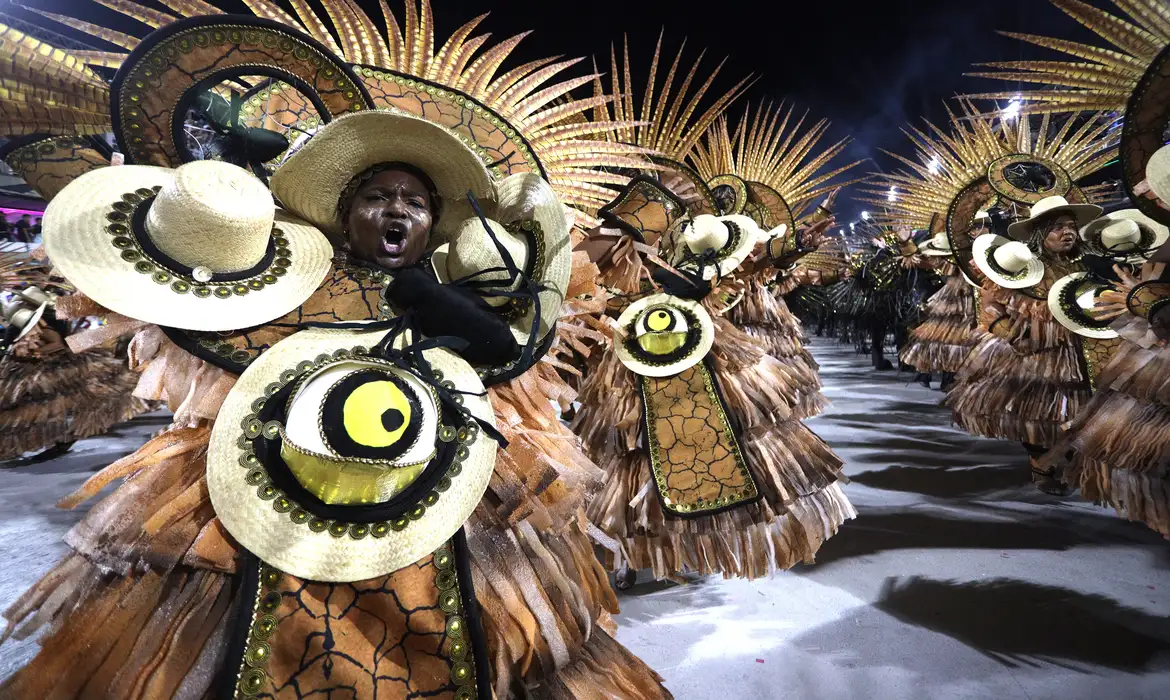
(392, 419)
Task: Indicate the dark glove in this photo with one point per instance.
(450, 310)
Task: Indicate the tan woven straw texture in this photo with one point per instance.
(200, 224)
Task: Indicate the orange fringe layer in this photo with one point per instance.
(1117, 449)
(797, 473)
(948, 333)
(150, 579)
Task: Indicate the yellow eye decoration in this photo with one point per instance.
(664, 335)
(376, 414)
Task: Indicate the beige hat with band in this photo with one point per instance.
(1010, 264)
(938, 245)
(333, 464)
(201, 247)
(529, 222)
(1072, 298)
(1083, 213)
(312, 179)
(1128, 234)
(731, 237)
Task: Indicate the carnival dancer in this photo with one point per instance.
(707, 469)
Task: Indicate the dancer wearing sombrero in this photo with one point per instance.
(541, 594)
(1117, 448)
(707, 468)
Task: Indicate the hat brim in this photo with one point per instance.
(1083, 213)
(930, 249)
(730, 258)
(77, 241)
(1069, 318)
(310, 182)
(984, 247)
(313, 553)
(706, 336)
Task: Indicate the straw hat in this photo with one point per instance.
(665, 335)
(1009, 264)
(732, 238)
(535, 233)
(1070, 299)
(1158, 173)
(335, 465)
(938, 245)
(201, 247)
(1083, 213)
(311, 180)
(1128, 234)
(25, 318)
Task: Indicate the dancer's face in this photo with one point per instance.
(1060, 235)
(390, 219)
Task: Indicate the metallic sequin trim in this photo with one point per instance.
(252, 677)
(458, 636)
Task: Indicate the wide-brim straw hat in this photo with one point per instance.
(311, 181)
(528, 206)
(662, 315)
(732, 237)
(938, 245)
(1083, 213)
(1069, 300)
(983, 252)
(1152, 235)
(28, 318)
(357, 542)
(1158, 173)
(201, 247)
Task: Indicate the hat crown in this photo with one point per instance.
(706, 232)
(1046, 205)
(1124, 233)
(473, 251)
(214, 215)
(1013, 256)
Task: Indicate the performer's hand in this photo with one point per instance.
(682, 187)
(814, 236)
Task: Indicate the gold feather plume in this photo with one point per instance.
(770, 148)
(667, 121)
(949, 159)
(48, 89)
(1097, 78)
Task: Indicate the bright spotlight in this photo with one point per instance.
(865, 215)
(893, 195)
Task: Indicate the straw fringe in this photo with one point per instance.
(1117, 449)
(948, 333)
(1026, 389)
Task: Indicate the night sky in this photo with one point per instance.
(867, 65)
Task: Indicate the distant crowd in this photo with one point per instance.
(23, 230)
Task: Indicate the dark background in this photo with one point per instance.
(867, 65)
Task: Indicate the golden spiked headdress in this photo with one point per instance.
(47, 89)
(781, 166)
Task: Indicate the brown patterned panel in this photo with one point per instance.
(733, 185)
(705, 203)
(694, 455)
(397, 636)
(1148, 297)
(496, 141)
(1097, 354)
(960, 217)
(50, 163)
(1146, 118)
(349, 293)
(188, 55)
(644, 209)
(776, 210)
(278, 106)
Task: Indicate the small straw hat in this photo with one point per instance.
(1158, 173)
(1009, 264)
(530, 224)
(938, 245)
(1083, 213)
(1070, 299)
(731, 237)
(26, 319)
(201, 247)
(312, 179)
(333, 464)
(1127, 234)
(664, 335)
